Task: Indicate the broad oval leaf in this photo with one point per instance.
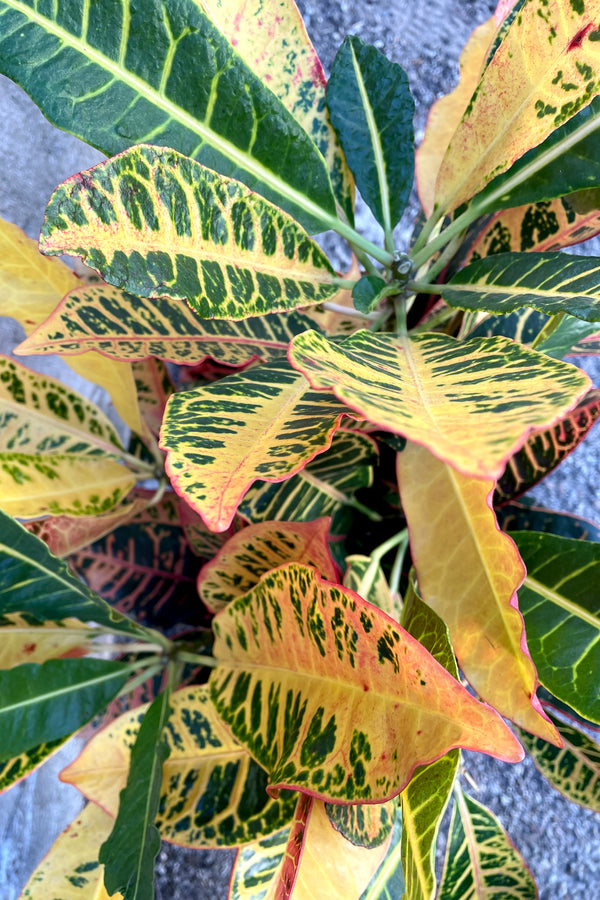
(257, 549)
(552, 63)
(561, 607)
(158, 224)
(460, 399)
(71, 871)
(121, 75)
(333, 697)
(265, 423)
(213, 794)
(371, 109)
(469, 573)
(480, 857)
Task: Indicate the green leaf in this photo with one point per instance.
(560, 606)
(549, 282)
(129, 852)
(41, 703)
(481, 861)
(371, 109)
(573, 769)
(525, 516)
(563, 339)
(36, 582)
(158, 224)
(363, 824)
(117, 75)
(366, 291)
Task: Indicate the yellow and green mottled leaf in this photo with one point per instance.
(203, 542)
(468, 402)
(257, 549)
(31, 287)
(159, 224)
(258, 865)
(364, 575)
(332, 697)
(446, 113)
(213, 794)
(481, 860)
(154, 387)
(26, 641)
(71, 870)
(272, 40)
(573, 769)
(550, 56)
(13, 770)
(265, 423)
(388, 881)
(121, 326)
(363, 824)
(469, 573)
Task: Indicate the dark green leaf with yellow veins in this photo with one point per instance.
(330, 696)
(122, 74)
(159, 224)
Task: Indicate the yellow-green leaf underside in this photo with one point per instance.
(334, 698)
(471, 403)
(550, 58)
(469, 572)
(159, 224)
(264, 424)
(212, 795)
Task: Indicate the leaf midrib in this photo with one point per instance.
(574, 610)
(64, 690)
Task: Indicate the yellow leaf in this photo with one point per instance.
(22, 642)
(469, 573)
(545, 70)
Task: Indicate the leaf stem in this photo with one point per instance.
(349, 310)
(197, 659)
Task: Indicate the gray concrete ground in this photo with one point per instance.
(560, 841)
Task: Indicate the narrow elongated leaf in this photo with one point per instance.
(71, 871)
(13, 770)
(31, 287)
(371, 109)
(552, 63)
(388, 881)
(574, 769)
(469, 573)
(561, 608)
(427, 387)
(258, 549)
(301, 661)
(118, 76)
(41, 703)
(35, 582)
(264, 423)
(159, 224)
(121, 326)
(481, 860)
(549, 282)
(129, 852)
(213, 794)
(272, 40)
(23, 640)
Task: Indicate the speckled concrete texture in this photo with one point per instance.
(560, 841)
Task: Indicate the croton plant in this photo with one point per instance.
(281, 599)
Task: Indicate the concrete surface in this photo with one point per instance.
(560, 841)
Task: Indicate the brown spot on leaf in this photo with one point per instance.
(577, 41)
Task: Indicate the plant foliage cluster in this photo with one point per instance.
(285, 602)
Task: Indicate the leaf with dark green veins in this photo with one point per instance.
(363, 824)
(560, 604)
(122, 74)
(38, 583)
(129, 852)
(481, 860)
(41, 703)
(371, 109)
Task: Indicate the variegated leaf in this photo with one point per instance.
(127, 74)
(272, 40)
(154, 387)
(213, 794)
(334, 698)
(159, 224)
(264, 423)
(25, 640)
(525, 516)
(363, 824)
(574, 769)
(121, 326)
(258, 866)
(203, 542)
(481, 860)
(559, 602)
(364, 575)
(544, 450)
(31, 287)
(429, 386)
(258, 549)
(469, 573)
(388, 881)
(13, 770)
(71, 870)
(551, 58)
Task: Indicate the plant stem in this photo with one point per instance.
(197, 659)
(140, 679)
(349, 311)
(396, 573)
(134, 647)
